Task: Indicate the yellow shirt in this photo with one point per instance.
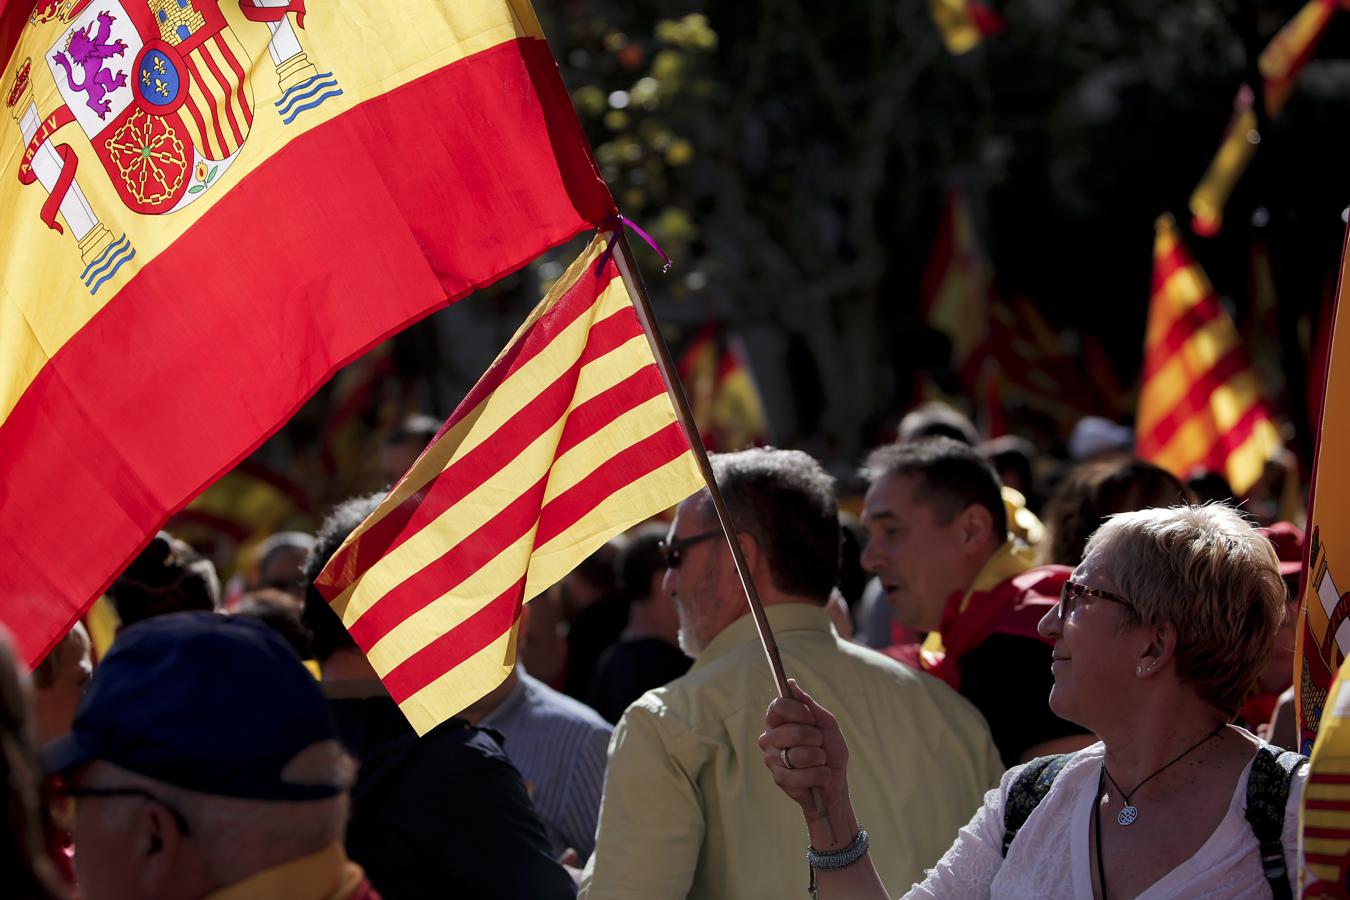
(689, 810)
(326, 875)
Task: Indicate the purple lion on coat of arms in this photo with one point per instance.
(89, 51)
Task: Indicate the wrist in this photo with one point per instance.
(839, 830)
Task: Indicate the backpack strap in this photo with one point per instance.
(1027, 791)
(1267, 797)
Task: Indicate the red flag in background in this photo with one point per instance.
(963, 24)
(234, 209)
(569, 439)
(715, 370)
(1200, 405)
(957, 283)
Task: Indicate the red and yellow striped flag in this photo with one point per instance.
(569, 439)
(208, 208)
(1279, 63)
(963, 24)
(1200, 404)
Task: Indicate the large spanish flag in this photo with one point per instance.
(208, 207)
(569, 439)
(1324, 628)
(1201, 403)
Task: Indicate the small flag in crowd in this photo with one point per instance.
(1279, 64)
(1324, 627)
(209, 210)
(721, 388)
(569, 439)
(1200, 405)
(963, 24)
(957, 282)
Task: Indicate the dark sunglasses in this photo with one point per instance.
(1073, 592)
(673, 552)
(76, 792)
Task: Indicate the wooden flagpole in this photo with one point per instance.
(637, 290)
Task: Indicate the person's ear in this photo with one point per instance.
(975, 525)
(750, 550)
(1159, 651)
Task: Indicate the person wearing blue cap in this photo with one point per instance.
(204, 763)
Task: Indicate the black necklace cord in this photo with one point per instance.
(1187, 752)
(1097, 821)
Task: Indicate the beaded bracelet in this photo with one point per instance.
(840, 859)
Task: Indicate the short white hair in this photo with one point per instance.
(1207, 571)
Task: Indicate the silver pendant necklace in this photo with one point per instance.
(1130, 812)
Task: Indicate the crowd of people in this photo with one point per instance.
(1026, 676)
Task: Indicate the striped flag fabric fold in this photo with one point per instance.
(567, 440)
(1200, 404)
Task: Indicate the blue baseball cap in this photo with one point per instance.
(206, 702)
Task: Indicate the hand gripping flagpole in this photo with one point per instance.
(637, 290)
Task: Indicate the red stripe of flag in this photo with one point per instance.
(1235, 437)
(1193, 402)
(1327, 778)
(486, 625)
(1342, 834)
(451, 568)
(454, 647)
(224, 94)
(239, 78)
(608, 405)
(1164, 267)
(1182, 329)
(619, 471)
(483, 461)
(1314, 803)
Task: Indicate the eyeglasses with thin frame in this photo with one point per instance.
(673, 551)
(179, 819)
(1073, 591)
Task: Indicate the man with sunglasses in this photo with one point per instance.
(203, 763)
(939, 543)
(687, 810)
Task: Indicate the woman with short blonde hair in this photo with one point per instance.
(1159, 635)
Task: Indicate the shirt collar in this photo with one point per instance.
(783, 617)
(326, 875)
(509, 705)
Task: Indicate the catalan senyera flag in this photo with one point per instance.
(569, 439)
(1279, 63)
(963, 24)
(1200, 404)
(1324, 617)
(208, 207)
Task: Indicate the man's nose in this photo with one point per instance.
(670, 581)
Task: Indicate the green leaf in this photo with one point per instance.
(211, 176)
(196, 189)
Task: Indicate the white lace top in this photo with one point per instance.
(1050, 858)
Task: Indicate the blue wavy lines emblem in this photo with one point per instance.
(306, 95)
(113, 257)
